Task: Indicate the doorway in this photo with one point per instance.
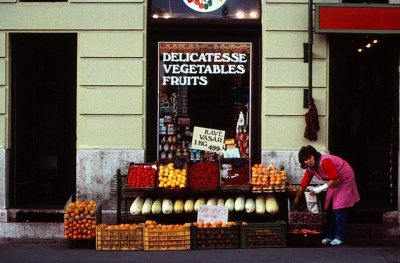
(364, 115)
(43, 125)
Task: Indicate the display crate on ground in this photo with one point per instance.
(119, 239)
(80, 220)
(214, 238)
(306, 216)
(166, 239)
(254, 235)
(306, 223)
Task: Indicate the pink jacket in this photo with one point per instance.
(346, 193)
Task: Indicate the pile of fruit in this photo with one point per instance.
(171, 178)
(79, 220)
(305, 231)
(120, 226)
(216, 224)
(267, 178)
(204, 175)
(151, 224)
(140, 175)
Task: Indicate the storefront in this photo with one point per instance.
(153, 81)
(364, 60)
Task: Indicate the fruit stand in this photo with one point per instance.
(260, 211)
(158, 208)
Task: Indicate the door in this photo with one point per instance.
(364, 117)
(43, 113)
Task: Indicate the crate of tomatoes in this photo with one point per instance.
(141, 176)
(204, 175)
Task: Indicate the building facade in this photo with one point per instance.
(105, 65)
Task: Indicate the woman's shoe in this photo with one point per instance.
(336, 242)
(326, 241)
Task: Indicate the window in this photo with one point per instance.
(204, 106)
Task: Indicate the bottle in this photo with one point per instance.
(240, 122)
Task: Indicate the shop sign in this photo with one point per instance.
(212, 213)
(350, 18)
(204, 5)
(206, 139)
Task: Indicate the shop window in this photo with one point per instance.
(197, 10)
(204, 106)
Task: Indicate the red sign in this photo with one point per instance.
(357, 18)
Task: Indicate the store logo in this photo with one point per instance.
(204, 5)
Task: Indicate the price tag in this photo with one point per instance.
(206, 139)
(212, 213)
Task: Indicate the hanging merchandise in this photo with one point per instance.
(242, 136)
(312, 122)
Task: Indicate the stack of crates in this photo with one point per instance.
(305, 224)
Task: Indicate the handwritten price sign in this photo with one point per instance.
(212, 213)
(206, 139)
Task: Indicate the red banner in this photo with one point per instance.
(358, 19)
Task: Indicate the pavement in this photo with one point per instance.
(57, 251)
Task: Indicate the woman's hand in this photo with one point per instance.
(318, 189)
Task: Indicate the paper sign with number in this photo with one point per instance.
(206, 139)
(212, 213)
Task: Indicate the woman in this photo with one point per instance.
(341, 189)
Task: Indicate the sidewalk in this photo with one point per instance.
(19, 252)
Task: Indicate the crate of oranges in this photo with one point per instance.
(268, 178)
(166, 237)
(80, 221)
(119, 237)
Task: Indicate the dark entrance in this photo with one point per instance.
(364, 116)
(43, 143)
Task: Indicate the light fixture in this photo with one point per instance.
(167, 15)
(240, 14)
(155, 16)
(253, 14)
(359, 50)
(368, 45)
(375, 41)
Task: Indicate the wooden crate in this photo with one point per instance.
(301, 218)
(119, 239)
(166, 239)
(214, 238)
(254, 235)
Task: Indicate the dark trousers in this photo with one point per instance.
(336, 222)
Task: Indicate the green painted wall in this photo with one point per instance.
(285, 76)
(111, 65)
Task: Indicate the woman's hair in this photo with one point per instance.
(305, 153)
